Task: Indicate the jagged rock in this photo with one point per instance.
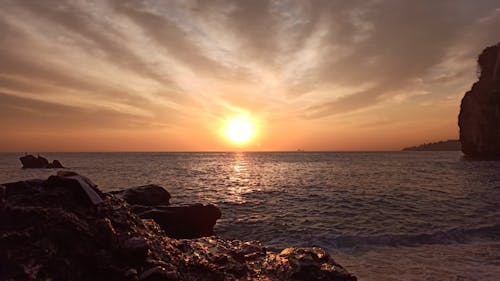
(185, 221)
(479, 118)
(147, 195)
(32, 162)
(53, 232)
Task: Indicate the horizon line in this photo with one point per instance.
(206, 151)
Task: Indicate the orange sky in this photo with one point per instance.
(167, 75)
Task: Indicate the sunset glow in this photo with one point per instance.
(160, 75)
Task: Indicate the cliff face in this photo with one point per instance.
(479, 118)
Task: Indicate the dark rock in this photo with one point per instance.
(158, 273)
(131, 274)
(57, 165)
(67, 180)
(479, 118)
(185, 221)
(53, 234)
(43, 161)
(23, 188)
(32, 162)
(147, 195)
(136, 246)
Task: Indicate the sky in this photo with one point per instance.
(168, 75)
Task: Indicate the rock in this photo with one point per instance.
(131, 274)
(2, 193)
(479, 118)
(136, 246)
(23, 188)
(185, 221)
(308, 264)
(52, 231)
(72, 180)
(57, 165)
(147, 195)
(157, 273)
(32, 162)
(43, 161)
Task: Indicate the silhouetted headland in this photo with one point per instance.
(449, 145)
(39, 162)
(479, 117)
(65, 228)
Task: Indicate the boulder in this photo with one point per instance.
(79, 183)
(146, 195)
(479, 118)
(191, 221)
(39, 162)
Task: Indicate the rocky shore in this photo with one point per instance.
(65, 228)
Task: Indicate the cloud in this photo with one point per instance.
(31, 115)
(175, 60)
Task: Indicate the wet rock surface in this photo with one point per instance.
(152, 202)
(39, 162)
(479, 118)
(54, 230)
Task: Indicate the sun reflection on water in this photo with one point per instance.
(239, 179)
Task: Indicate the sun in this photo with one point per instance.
(240, 129)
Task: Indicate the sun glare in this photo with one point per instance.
(240, 129)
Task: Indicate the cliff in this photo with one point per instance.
(479, 118)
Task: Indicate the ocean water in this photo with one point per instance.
(383, 215)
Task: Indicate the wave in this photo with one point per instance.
(451, 236)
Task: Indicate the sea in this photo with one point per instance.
(382, 215)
